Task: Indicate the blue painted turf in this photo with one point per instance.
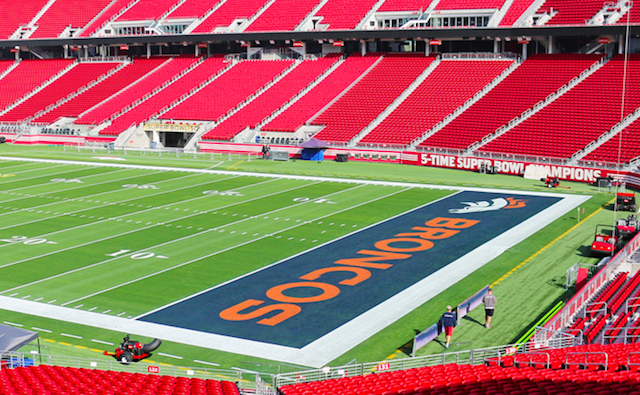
(315, 319)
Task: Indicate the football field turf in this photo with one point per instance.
(134, 249)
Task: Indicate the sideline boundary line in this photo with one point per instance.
(288, 176)
(504, 277)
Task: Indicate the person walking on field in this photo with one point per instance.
(489, 300)
(448, 322)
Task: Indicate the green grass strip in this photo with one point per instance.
(540, 322)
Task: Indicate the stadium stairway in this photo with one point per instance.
(87, 99)
(132, 95)
(307, 107)
(302, 93)
(571, 122)
(347, 116)
(29, 78)
(75, 94)
(624, 137)
(108, 15)
(535, 79)
(223, 14)
(537, 107)
(174, 85)
(280, 90)
(197, 106)
(399, 100)
(463, 107)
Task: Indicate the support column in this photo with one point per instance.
(363, 47)
(524, 51)
(86, 51)
(427, 47)
(66, 51)
(496, 45)
(621, 44)
(550, 47)
(197, 51)
(148, 50)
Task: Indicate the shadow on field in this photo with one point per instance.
(469, 318)
(584, 251)
(557, 281)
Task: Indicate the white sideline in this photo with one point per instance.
(337, 342)
(282, 176)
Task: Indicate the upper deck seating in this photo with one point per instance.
(109, 12)
(532, 81)
(344, 14)
(192, 9)
(318, 97)
(404, 5)
(469, 4)
(67, 13)
(621, 148)
(370, 96)
(283, 15)
(146, 10)
(272, 99)
(518, 7)
(571, 12)
(228, 12)
(16, 13)
(451, 84)
(227, 91)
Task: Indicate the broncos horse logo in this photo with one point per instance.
(495, 204)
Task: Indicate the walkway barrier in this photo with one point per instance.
(578, 302)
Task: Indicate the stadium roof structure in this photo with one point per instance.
(346, 35)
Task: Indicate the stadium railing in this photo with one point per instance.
(15, 359)
(470, 357)
(578, 302)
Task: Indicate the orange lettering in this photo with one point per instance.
(431, 233)
(378, 256)
(233, 313)
(453, 223)
(361, 274)
(384, 245)
(328, 292)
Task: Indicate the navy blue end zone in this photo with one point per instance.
(305, 321)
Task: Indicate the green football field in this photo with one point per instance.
(121, 242)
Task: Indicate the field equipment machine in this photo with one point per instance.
(133, 351)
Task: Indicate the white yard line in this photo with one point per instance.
(119, 202)
(104, 204)
(219, 251)
(168, 242)
(275, 233)
(67, 190)
(139, 229)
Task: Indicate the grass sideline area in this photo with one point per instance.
(528, 278)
